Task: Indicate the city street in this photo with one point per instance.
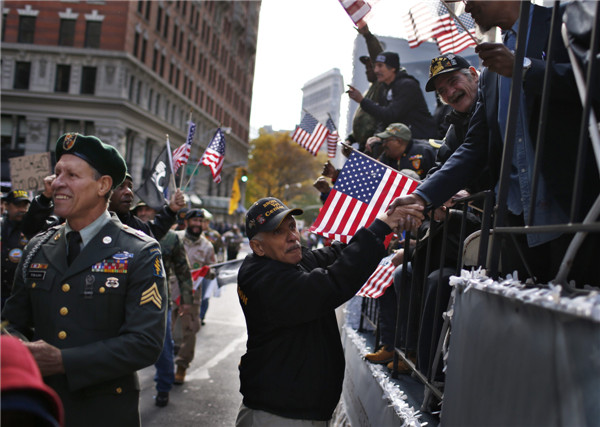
(210, 395)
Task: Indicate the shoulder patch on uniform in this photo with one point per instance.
(435, 143)
(152, 295)
(157, 266)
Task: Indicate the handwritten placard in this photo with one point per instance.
(28, 172)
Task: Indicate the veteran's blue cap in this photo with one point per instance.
(102, 157)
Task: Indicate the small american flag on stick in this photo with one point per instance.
(363, 189)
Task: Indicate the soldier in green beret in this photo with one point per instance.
(90, 294)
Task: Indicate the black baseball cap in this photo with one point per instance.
(444, 64)
(390, 59)
(266, 215)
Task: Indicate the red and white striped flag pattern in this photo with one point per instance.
(332, 138)
(214, 156)
(310, 134)
(380, 280)
(364, 188)
(182, 154)
(431, 20)
(357, 10)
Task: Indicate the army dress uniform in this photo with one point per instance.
(105, 312)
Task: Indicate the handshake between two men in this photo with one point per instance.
(404, 213)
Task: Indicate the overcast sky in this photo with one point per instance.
(299, 40)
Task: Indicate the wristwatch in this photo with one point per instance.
(526, 66)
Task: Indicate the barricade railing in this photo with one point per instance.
(495, 210)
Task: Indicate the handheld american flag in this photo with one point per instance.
(332, 137)
(431, 20)
(357, 10)
(363, 189)
(214, 155)
(182, 154)
(310, 134)
(380, 280)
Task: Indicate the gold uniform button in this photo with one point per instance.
(119, 390)
(66, 287)
(62, 335)
(64, 311)
(102, 289)
(33, 285)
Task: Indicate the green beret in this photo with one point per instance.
(102, 157)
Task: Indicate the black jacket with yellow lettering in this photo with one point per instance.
(294, 364)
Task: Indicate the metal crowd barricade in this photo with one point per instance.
(496, 211)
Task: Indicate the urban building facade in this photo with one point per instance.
(130, 72)
(321, 96)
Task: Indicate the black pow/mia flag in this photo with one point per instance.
(154, 191)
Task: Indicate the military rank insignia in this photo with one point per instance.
(152, 295)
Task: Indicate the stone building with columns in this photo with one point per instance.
(130, 72)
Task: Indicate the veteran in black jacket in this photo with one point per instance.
(294, 364)
(90, 294)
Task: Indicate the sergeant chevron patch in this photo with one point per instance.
(152, 295)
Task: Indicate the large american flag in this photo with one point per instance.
(357, 10)
(332, 137)
(431, 20)
(364, 188)
(380, 280)
(214, 155)
(310, 134)
(182, 154)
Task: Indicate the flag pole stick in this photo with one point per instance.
(171, 162)
(449, 9)
(183, 166)
(192, 174)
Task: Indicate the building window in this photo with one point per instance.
(4, 16)
(171, 73)
(144, 46)
(150, 96)
(22, 71)
(157, 104)
(154, 59)
(131, 86)
(138, 95)
(88, 80)
(159, 17)
(177, 73)
(63, 77)
(148, 4)
(26, 29)
(162, 65)
(92, 34)
(166, 27)
(136, 44)
(129, 143)
(66, 36)
(140, 6)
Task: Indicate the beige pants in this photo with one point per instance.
(185, 329)
(254, 418)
